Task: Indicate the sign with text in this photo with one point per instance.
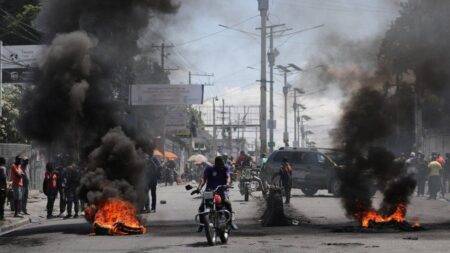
(176, 120)
(26, 56)
(166, 94)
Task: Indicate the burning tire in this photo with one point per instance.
(309, 191)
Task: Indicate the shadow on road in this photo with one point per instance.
(73, 228)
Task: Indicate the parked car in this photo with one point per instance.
(312, 170)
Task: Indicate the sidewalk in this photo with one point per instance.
(36, 208)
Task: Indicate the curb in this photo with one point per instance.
(7, 228)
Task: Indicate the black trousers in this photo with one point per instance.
(62, 200)
(434, 183)
(50, 203)
(421, 185)
(152, 188)
(24, 198)
(72, 201)
(2, 204)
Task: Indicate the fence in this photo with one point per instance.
(436, 142)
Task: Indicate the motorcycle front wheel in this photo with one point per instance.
(223, 235)
(210, 232)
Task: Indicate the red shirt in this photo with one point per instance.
(16, 175)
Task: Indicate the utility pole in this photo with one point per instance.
(214, 144)
(285, 93)
(163, 56)
(163, 47)
(273, 53)
(295, 144)
(263, 7)
(230, 133)
(286, 87)
(223, 121)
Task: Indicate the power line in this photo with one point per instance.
(214, 33)
(20, 24)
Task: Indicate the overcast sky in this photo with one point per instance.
(201, 45)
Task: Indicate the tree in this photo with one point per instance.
(418, 44)
(16, 22)
(10, 113)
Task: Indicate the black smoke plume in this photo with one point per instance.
(361, 133)
(115, 169)
(81, 91)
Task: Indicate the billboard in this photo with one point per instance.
(176, 119)
(19, 62)
(166, 94)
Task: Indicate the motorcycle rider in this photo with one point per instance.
(214, 176)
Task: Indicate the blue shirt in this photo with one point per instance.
(215, 176)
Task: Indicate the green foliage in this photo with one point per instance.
(16, 25)
(10, 114)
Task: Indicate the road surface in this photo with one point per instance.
(322, 228)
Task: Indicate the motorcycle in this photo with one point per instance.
(216, 219)
(248, 182)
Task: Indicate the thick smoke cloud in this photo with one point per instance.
(115, 169)
(361, 133)
(82, 90)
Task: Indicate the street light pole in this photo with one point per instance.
(285, 92)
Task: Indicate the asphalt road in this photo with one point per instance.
(323, 227)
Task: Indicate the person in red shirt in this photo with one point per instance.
(50, 188)
(17, 185)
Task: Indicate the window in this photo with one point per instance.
(310, 158)
(278, 156)
(321, 158)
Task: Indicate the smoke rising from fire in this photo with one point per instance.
(81, 92)
(362, 130)
(115, 169)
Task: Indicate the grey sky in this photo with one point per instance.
(228, 53)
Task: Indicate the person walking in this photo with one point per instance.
(422, 174)
(153, 174)
(26, 183)
(3, 187)
(17, 185)
(72, 183)
(285, 174)
(434, 178)
(50, 188)
(61, 171)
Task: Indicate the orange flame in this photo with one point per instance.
(373, 216)
(116, 216)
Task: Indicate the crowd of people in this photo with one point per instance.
(14, 186)
(435, 171)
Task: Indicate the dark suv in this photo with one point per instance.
(312, 169)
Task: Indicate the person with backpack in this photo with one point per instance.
(285, 174)
(50, 188)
